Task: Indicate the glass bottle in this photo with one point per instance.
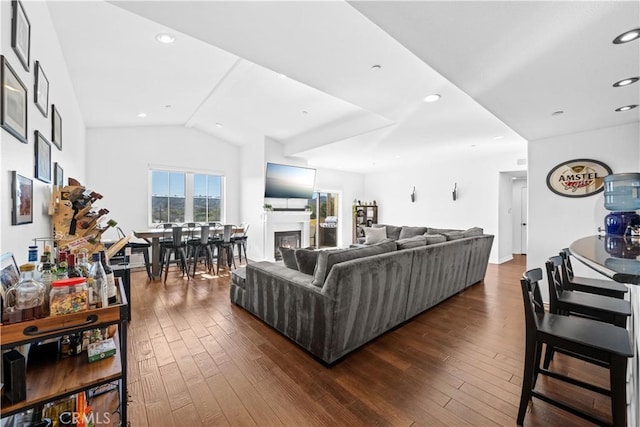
(62, 268)
(97, 281)
(82, 262)
(46, 278)
(65, 346)
(73, 270)
(27, 294)
(33, 254)
(111, 281)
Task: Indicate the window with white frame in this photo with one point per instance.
(179, 196)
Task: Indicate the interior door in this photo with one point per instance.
(523, 216)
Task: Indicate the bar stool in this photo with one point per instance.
(240, 239)
(596, 342)
(607, 288)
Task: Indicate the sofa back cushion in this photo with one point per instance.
(393, 232)
(306, 259)
(411, 242)
(411, 231)
(434, 238)
(326, 259)
(289, 257)
(431, 230)
(473, 232)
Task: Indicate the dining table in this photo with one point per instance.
(153, 236)
(618, 257)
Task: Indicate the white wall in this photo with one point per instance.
(119, 160)
(17, 156)
(252, 197)
(477, 173)
(556, 221)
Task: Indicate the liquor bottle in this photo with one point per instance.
(47, 254)
(97, 280)
(73, 270)
(63, 266)
(46, 277)
(111, 281)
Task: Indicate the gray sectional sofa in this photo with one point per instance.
(354, 295)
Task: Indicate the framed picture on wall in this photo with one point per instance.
(13, 102)
(56, 127)
(41, 90)
(43, 158)
(21, 33)
(58, 175)
(22, 199)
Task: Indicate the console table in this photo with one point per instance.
(618, 258)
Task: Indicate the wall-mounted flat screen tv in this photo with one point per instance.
(289, 182)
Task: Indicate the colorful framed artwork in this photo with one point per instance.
(43, 158)
(13, 102)
(22, 203)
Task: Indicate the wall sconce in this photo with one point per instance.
(455, 191)
(413, 195)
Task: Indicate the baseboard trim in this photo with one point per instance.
(505, 259)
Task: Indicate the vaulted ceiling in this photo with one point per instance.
(342, 84)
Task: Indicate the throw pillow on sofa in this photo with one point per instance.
(411, 242)
(306, 260)
(289, 257)
(374, 235)
(411, 232)
(326, 259)
(393, 231)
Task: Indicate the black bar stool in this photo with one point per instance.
(570, 282)
(590, 340)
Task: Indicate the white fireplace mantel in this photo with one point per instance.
(277, 221)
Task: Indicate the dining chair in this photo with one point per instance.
(201, 245)
(240, 239)
(177, 248)
(139, 248)
(608, 288)
(595, 342)
(224, 247)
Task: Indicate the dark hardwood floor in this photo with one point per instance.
(196, 359)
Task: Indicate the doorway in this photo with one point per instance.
(519, 224)
(324, 226)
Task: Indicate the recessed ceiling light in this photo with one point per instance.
(219, 125)
(142, 114)
(498, 137)
(557, 113)
(432, 98)
(282, 76)
(626, 82)
(626, 107)
(376, 67)
(305, 112)
(473, 145)
(168, 106)
(627, 36)
(165, 38)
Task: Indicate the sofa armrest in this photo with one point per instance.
(286, 300)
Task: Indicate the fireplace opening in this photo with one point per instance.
(285, 239)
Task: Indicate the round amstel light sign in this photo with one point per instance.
(578, 178)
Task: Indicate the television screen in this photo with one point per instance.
(289, 182)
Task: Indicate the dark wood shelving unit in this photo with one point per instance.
(51, 380)
(363, 216)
